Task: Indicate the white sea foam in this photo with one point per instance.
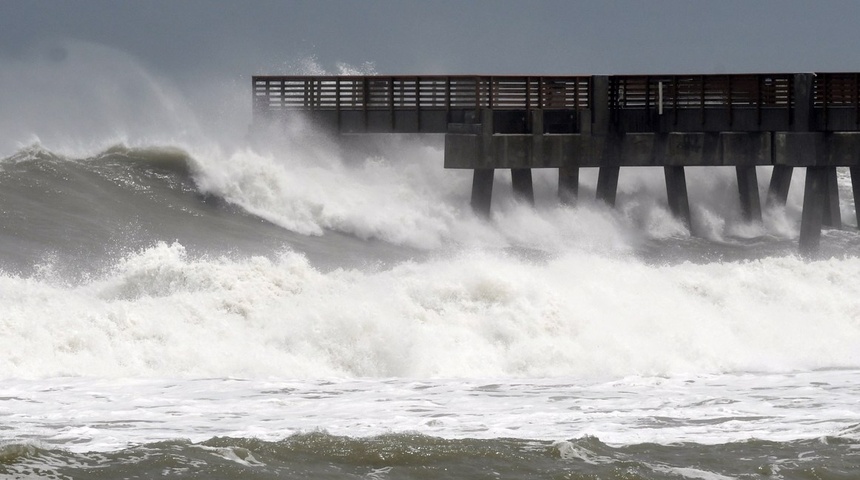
(470, 314)
(104, 415)
(301, 180)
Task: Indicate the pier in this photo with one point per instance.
(786, 121)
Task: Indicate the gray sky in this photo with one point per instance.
(182, 39)
(73, 72)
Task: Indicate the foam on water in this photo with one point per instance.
(467, 314)
(547, 291)
(105, 415)
(399, 193)
(311, 191)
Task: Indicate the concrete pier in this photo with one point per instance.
(855, 187)
(832, 217)
(748, 191)
(784, 121)
(780, 181)
(521, 180)
(607, 184)
(676, 193)
(568, 185)
(813, 209)
(482, 191)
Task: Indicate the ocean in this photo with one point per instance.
(291, 307)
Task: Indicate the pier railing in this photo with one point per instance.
(745, 102)
(419, 92)
(701, 91)
(542, 92)
(835, 92)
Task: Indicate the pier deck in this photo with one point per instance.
(809, 120)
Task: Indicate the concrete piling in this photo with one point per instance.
(676, 193)
(607, 184)
(832, 217)
(568, 185)
(815, 189)
(607, 177)
(748, 190)
(813, 209)
(521, 180)
(482, 191)
(780, 181)
(855, 187)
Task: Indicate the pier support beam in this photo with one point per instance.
(855, 186)
(780, 181)
(568, 185)
(607, 184)
(607, 178)
(748, 190)
(482, 191)
(521, 180)
(814, 194)
(676, 192)
(832, 216)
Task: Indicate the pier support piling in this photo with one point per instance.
(482, 191)
(832, 216)
(811, 219)
(521, 180)
(676, 193)
(855, 186)
(748, 190)
(568, 185)
(607, 184)
(780, 181)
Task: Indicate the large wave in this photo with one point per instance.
(291, 253)
(475, 313)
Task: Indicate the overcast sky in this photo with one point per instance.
(183, 38)
(77, 71)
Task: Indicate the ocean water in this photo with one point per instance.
(284, 306)
(314, 310)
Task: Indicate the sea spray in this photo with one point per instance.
(53, 96)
